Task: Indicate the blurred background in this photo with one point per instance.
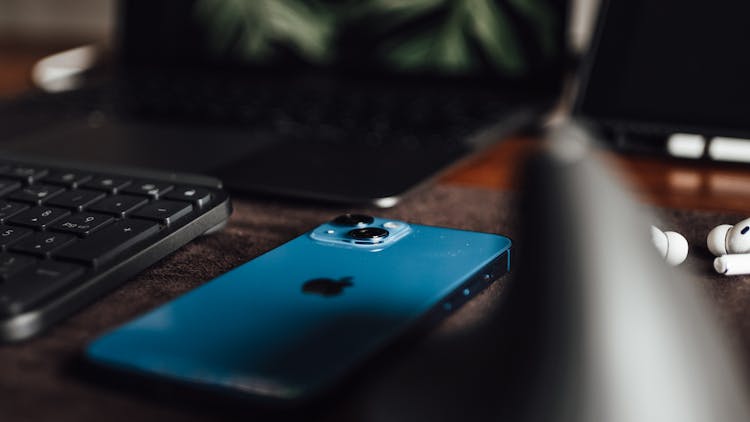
(33, 29)
(30, 30)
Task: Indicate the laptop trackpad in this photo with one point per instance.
(164, 147)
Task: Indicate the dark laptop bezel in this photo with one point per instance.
(628, 134)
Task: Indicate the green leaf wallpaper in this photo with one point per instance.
(444, 36)
(251, 28)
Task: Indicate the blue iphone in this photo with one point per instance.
(293, 321)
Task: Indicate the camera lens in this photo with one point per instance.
(353, 220)
(372, 234)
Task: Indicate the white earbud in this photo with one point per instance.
(726, 239)
(672, 246)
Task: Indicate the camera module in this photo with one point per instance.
(370, 234)
(353, 220)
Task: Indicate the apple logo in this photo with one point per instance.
(327, 286)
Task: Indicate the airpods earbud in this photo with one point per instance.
(731, 244)
(717, 239)
(672, 246)
(726, 239)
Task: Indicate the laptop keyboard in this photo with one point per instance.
(367, 116)
(356, 115)
(64, 230)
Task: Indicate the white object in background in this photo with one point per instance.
(582, 20)
(686, 145)
(729, 149)
(733, 264)
(672, 246)
(61, 71)
(726, 239)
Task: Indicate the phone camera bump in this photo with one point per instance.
(353, 220)
(368, 234)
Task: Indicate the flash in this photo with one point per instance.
(392, 225)
(330, 232)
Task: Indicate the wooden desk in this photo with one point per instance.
(656, 180)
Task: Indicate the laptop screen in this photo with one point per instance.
(673, 64)
(499, 39)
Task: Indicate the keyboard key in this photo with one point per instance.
(9, 209)
(39, 217)
(26, 174)
(23, 289)
(76, 199)
(197, 196)
(151, 189)
(68, 179)
(12, 263)
(10, 235)
(82, 224)
(36, 194)
(109, 242)
(107, 184)
(42, 244)
(165, 212)
(7, 186)
(119, 205)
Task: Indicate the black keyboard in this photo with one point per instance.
(70, 233)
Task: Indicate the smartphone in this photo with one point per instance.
(291, 323)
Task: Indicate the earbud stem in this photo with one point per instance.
(733, 264)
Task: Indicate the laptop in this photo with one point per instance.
(669, 77)
(356, 102)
